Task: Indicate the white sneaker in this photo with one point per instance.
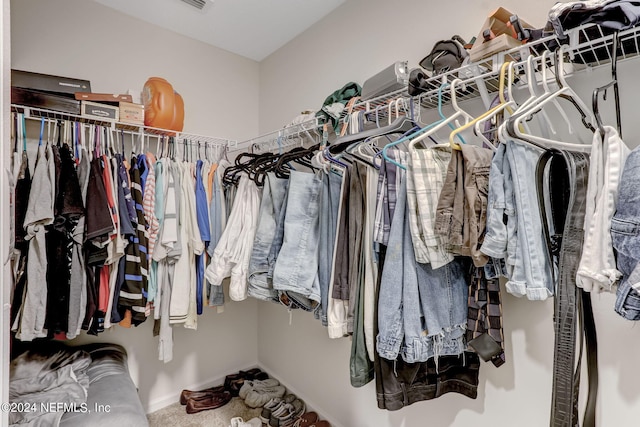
(253, 422)
(237, 422)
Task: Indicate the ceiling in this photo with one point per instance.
(251, 28)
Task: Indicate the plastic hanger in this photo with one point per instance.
(507, 105)
(613, 83)
(472, 122)
(449, 121)
(512, 126)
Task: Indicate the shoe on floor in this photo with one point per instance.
(215, 401)
(259, 397)
(239, 422)
(287, 414)
(254, 374)
(265, 414)
(321, 423)
(256, 385)
(200, 394)
(307, 419)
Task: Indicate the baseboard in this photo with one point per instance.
(324, 414)
(163, 402)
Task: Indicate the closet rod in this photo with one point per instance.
(287, 132)
(131, 129)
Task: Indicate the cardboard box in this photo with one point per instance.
(49, 83)
(93, 110)
(131, 113)
(44, 100)
(505, 38)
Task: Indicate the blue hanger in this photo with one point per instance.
(41, 134)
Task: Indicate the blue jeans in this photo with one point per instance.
(296, 268)
(422, 312)
(625, 235)
(273, 194)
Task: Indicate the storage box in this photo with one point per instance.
(44, 100)
(131, 113)
(505, 38)
(49, 83)
(93, 110)
(108, 98)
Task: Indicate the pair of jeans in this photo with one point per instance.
(423, 315)
(399, 384)
(625, 234)
(296, 269)
(329, 203)
(273, 194)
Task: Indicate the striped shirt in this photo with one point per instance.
(133, 293)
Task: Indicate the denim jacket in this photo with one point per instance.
(514, 227)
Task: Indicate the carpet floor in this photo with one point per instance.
(176, 416)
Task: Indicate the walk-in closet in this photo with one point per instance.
(365, 220)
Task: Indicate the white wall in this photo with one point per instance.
(353, 43)
(78, 38)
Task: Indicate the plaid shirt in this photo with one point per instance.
(388, 183)
(484, 310)
(425, 179)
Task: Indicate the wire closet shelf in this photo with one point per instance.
(586, 47)
(287, 137)
(127, 128)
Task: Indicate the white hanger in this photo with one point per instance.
(459, 113)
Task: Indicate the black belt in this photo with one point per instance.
(573, 314)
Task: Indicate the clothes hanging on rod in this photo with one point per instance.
(89, 222)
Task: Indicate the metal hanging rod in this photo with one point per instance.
(305, 128)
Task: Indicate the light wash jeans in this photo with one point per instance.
(296, 268)
(625, 234)
(422, 312)
(273, 194)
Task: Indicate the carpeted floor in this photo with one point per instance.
(176, 416)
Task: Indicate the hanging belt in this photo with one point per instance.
(573, 314)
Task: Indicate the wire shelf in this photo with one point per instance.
(588, 44)
(131, 129)
(285, 137)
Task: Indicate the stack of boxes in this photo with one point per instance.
(73, 96)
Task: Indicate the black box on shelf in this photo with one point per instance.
(44, 100)
(48, 83)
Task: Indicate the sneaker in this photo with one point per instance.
(268, 408)
(287, 414)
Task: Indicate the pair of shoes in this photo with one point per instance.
(310, 419)
(239, 422)
(254, 374)
(286, 414)
(234, 382)
(258, 393)
(200, 394)
(213, 402)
